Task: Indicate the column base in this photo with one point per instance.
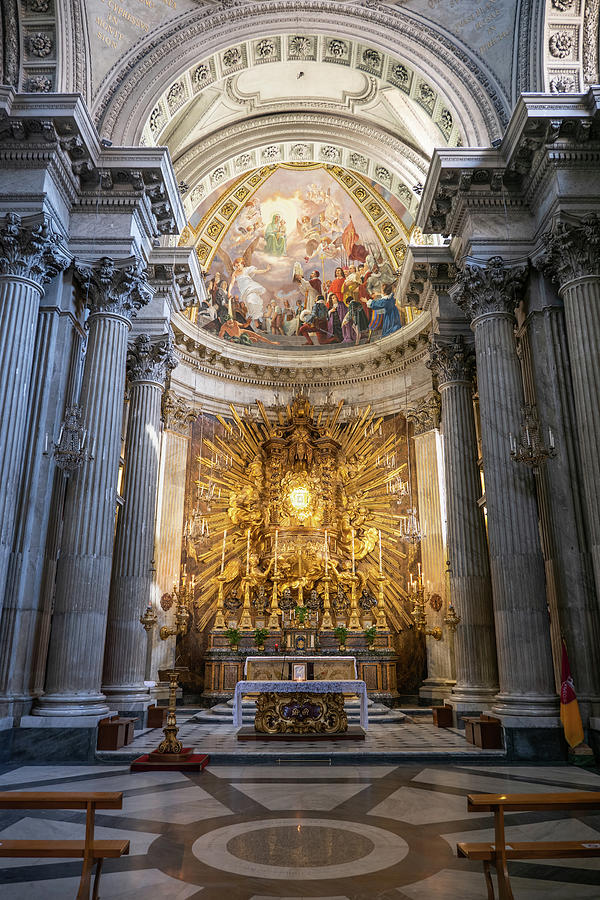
(533, 738)
(125, 695)
(67, 705)
(436, 690)
(43, 739)
(528, 705)
(471, 707)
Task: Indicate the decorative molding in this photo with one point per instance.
(113, 287)
(572, 250)
(425, 416)
(177, 415)
(30, 248)
(451, 362)
(149, 360)
(493, 289)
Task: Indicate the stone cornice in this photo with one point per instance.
(61, 124)
(540, 126)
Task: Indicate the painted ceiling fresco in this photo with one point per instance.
(300, 266)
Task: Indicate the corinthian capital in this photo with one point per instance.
(425, 416)
(572, 250)
(115, 287)
(30, 248)
(151, 361)
(489, 289)
(451, 362)
(177, 415)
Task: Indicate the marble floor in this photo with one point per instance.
(395, 742)
(335, 832)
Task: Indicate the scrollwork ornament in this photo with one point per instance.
(426, 415)
(451, 362)
(30, 248)
(493, 288)
(114, 287)
(177, 415)
(149, 360)
(572, 250)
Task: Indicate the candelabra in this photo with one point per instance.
(418, 600)
(530, 449)
(410, 530)
(70, 452)
(183, 598)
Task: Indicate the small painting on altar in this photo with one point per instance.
(299, 672)
(232, 623)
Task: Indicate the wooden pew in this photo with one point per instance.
(499, 852)
(93, 852)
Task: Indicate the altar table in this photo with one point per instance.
(309, 687)
(326, 668)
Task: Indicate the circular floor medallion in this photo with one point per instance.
(300, 849)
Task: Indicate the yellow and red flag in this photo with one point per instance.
(569, 708)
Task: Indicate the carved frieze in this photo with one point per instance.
(176, 413)
(425, 416)
(149, 360)
(113, 287)
(30, 248)
(572, 249)
(451, 362)
(495, 288)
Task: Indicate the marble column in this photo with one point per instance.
(31, 254)
(488, 295)
(431, 500)
(560, 488)
(469, 571)
(177, 418)
(113, 290)
(573, 260)
(131, 587)
(22, 646)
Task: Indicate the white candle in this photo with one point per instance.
(380, 558)
(248, 553)
(223, 551)
(326, 554)
(276, 546)
(353, 557)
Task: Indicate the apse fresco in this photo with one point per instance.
(299, 267)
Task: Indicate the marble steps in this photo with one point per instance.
(379, 714)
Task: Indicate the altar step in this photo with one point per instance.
(222, 713)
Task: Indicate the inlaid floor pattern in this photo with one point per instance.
(335, 832)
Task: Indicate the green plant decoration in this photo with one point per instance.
(341, 634)
(259, 636)
(233, 635)
(370, 634)
(301, 613)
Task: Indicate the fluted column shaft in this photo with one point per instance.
(516, 562)
(131, 586)
(469, 572)
(30, 256)
(578, 612)
(83, 574)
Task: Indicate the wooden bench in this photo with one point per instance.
(484, 731)
(499, 852)
(91, 851)
(442, 716)
(157, 716)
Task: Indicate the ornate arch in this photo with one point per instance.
(480, 103)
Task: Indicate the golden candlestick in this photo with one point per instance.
(326, 621)
(170, 748)
(220, 624)
(273, 624)
(354, 621)
(381, 619)
(245, 623)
